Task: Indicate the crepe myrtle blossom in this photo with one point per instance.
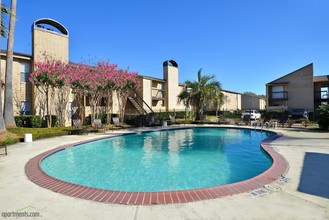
(93, 81)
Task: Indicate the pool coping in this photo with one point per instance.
(34, 172)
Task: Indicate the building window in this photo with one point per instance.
(324, 92)
(278, 92)
(25, 72)
(25, 107)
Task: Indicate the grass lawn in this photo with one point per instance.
(14, 135)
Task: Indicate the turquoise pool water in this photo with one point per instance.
(177, 159)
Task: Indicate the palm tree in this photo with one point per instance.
(200, 93)
(4, 29)
(9, 105)
(218, 100)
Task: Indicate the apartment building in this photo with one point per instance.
(155, 94)
(298, 89)
(52, 38)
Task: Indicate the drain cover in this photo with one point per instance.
(283, 180)
(259, 192)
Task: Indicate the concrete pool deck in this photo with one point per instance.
(304, 196)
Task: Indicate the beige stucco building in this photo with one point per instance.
(298, 89)
(154, 95)
(160, 94)
(234, 101)
(52, 38)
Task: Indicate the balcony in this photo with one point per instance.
(273, 96)
(157, 98)
(157, 94)
(321, 96)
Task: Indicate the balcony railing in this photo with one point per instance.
(158, 94)
(278, 95)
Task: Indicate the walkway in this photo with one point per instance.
(305, 152)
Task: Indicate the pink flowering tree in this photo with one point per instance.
(54, 79)
(78, 83)
(95, 82)
(47, 76)
(108, 86)
(125, 82)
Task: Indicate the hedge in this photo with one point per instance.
(34, 121)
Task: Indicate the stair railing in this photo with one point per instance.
(138, 97)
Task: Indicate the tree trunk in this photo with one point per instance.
(122, 101)
(9, 101)
(2, 122)
(62, 98)
(48, 114)
(109, 105)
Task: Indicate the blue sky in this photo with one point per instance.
(245, 44)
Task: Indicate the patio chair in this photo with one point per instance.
(99, 126)
(257, 123)
(266, 122)
(246, 119)
(223, 120)
(172, 119)
(77, 124)
(116, 123)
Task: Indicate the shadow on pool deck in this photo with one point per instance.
(315, 175)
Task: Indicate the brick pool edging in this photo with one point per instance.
(38, 176)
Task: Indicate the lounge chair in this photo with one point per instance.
(99, 126)
(246, 119)
(223, 120)
(77, 124)
(116, 123)
(172, 119)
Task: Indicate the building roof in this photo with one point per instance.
(151, 78)
(17, 54)
(224, 90)
(275, 81)
(323, 78)
(38, 24)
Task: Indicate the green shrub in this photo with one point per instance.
(35, 121)
(9, 140)
(275, 114)
(19, 121)
(28, 121)
(54, 121)
(165, 115)
(88, 120)
(39, 133)
(323, 118)
(228, 114)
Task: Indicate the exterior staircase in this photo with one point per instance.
(147, 114)
(138, 106)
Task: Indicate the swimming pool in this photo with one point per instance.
(101, 193)
(179, 159)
